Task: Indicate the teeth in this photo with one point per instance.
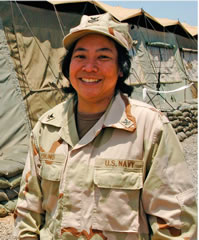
(90, 80)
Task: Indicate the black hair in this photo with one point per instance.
(124, 63)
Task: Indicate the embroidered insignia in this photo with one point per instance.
(127, 123)
(93, 19)
(50, 117)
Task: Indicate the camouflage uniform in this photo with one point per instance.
(126, 179)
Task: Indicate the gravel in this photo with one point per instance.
(6, 228)
(190, 149)
(190, 146)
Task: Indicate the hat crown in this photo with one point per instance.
(104, 24)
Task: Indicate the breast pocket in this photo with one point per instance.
(117, 192)
(52, 166)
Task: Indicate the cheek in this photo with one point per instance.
(72, 72)
(112, 78)
(113, 72)
(73, 68)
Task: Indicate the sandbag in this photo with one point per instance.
(4, 183)
(3, 196)
(15, 181)
(3, 211)
(177, 113)
(186, 114)
(181, 136)
(12, 193)
(10, 168)
(175, 123)
(10, 205)
(10, 182)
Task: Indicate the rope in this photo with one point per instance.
(145, 90)
(57, 78)
(96, 7)
(29, 28)
(24, 76)
(59, 20)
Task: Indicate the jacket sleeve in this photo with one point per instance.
(29, 213)
(168, 195)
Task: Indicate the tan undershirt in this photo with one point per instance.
(86, 121)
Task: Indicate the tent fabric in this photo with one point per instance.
(37, 50)
(14, 120)
(15, 127)
(155, 58)
(69, 1)
(157, 55)
(30, 53)
(184, 42)
(164, 64)
(119, 12)
(190, 60)
(192, 30)
(125, 14)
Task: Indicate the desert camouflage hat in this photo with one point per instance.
(104, 24)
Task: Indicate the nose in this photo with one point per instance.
(90, 66)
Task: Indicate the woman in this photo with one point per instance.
(101, 165)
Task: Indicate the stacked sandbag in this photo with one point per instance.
(10, 177)
(184, 119)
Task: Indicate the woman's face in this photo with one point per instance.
(94, 69)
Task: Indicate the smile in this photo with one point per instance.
(90, 80)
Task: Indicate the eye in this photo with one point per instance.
(79, 56)
(103, 57)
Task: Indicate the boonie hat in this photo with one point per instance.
(104, 24)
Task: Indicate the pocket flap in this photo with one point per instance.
(52, 166)
(120, 175)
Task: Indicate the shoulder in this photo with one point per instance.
(57, 111)
(145, 110)
(150, 121)
(54, 116)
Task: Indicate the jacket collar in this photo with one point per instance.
(118, 115)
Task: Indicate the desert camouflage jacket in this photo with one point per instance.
(126, 179)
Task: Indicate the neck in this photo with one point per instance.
(92, 107)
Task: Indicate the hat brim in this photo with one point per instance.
(74, 36)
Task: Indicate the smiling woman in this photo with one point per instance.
(101, 165)
(123, 61)
(94, 72)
